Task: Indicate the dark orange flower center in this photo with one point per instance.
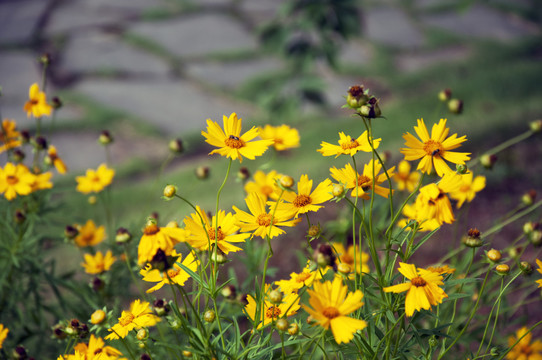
(272, 312)
(33, 102)
(278, 141)
(234, 142)
(171, 273)
(302, 277)
(364, 182)
(12, 179)
(346, 258)
(151, 229)
(302, 200)
(212, 233)
(433, 148)
(350, 144)
(126, 319)
(266, 190)
(264, 220)
(331, 312)
(526, 349)
(97, 351)
(95, 179)
(418, 281)
(87, 237)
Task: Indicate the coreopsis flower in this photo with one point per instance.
(348, 145)
(174, 275)
(95, 346)
(9, 136)
(330, 306)
(432, 151)
(37, 104)
(441, 270)
(89, 234)
(404, 178)
(42, 181)
(283, 136)
(264, 184)
(524, 349)
(270, 311)
(156, 238)
(140, 315)
(15, 179)
(468, 189)
(95, 180)
(305, 199)
(79, 356)
(261, 222)
(298, 280)
(362, 184)
(202, 232)
(98, 263)
(423, 288)
(352, 257)
(231, 143)
(539, 263)
(57, 162)
(3, 334)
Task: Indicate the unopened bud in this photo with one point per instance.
(58, 331)
(433, 341)
(293, 329)
(529, 226)
(176, 146)
(473, 239)
(70, 232)
(41, 143)
(324, 255)
(528, 198)
(514, 252)
(142, 334)
(170, 191)
(187, 353)
(105, 138)
(286, 181)
(45, 59)
(488, 161)
(18, 155)
(243, 173)
(229, 292)
(282, 324)
(502, 269)
(56, 103)
(356, 97)
(219, 257)
(202, 172)
(25, 136)
(494, 255)
(209, 316)
(461, 168)
(122, 236)
(536, 126)
(455, 106)
(494, 351)
(535, 237)
(144, 356)
(92, 200)
(338, 190)
(370, 110)
(97, 317)
(445, 95)
(19, 216)
(175, 324)
(161, 307)
(314, 231)
(275, 297)
(20, 352)
(343, 268)
(526, 267)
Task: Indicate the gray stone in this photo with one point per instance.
(133, 6)
(355, 53)
(97, 51)
(172, 106)
(19, 19)
(481, 22)
(231, 75)
(420, 60)
(197, 35)
(261, 11)
(391, 26)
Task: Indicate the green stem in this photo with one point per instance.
(502, 146)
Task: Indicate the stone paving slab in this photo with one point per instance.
(391, 26)
(416, 61)
(172, 106)
(197, 35)
(19, 19)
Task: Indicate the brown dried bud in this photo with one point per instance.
(455, 106)
(176, 146)
(445, 95)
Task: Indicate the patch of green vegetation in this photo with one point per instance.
(150, 46)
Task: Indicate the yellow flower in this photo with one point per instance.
(259, 220)
(176, 273)
(97, 317)
(139, 315)
(441, 270)
(9, 137)
(37, 104)
(539, 263)
(348, 145)
(15, 180)
(297, 280)
(230, 141)
(283, 136)
(468, 188)
(423, 288)
(304, 200)
(361, 185)
(158, 238)
(524, 350)
(264, 184)
(55, 160)
(42, 181)
(434, 149)
(97, 264)
(96, 346)
(331, 303)
(95, 181)
(89, 235)
(272, 312)
(202, 235)
(354, 259)
(3, 334)
(406, 179)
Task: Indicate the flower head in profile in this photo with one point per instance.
(37, 105)
(140, 315)
(284, 137)
(432, 151)
(468, 189)
(404, 178)
(441, 270)
(231, 143)
(95, 180)
(348, 145)
(524, 349)
(173, 275)
(305, 199)
(330, 306)
(264, 184)
(157, 238)
(271, 312)
(202, 232)
(423, 288)
(89, 234)
(96, 347)
(98, 263)
(261, 222)
(57, 162)
(3, 334)
(15, 180)
(9, 136)
(539, 263)
(352, 257)
(298, 280)
(362, 184)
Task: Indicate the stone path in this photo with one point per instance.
(172, 64)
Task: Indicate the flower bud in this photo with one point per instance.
(219, 257)
(97, 284)
(56, 103)
(105, 138)
(144, 356)
(142, 334)
(314, 231)
(343, 268)
(170, 191)
(494, 351)
(473, 239)
(25, 136)
(19, 216)
(92, 200)
(243, 174)
(20, 352)
(536, 126)
(45, 59)
(83, 331)
(187, 353)
(514, 252)
(209, 316)
(202, 172)
(18, 155)
(41, 143)
(229, 292)
(97, 317)
(488, 161)
(445, 95)
(455, 106)
(161, 307)
(282, 324)
(176, 146)
(535, 237)
(324, 255)
(371, 110)
(502, 269)
(528, 198)
(58, 331)
(526, 267)
(529, 227)
(286, 182)
(356, 97)
(338, 190)
(433, 341)
(70, 232)
(461, 168)
(122, 236)
(275, 297)
(293, 329)
(494, 255)
(175, 324)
